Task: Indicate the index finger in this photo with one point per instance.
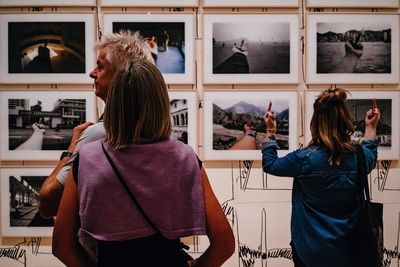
(374, 105)
(269, 106)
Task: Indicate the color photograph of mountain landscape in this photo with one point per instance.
(230, 116)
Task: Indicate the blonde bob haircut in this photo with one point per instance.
(331, 124)
(137, 107)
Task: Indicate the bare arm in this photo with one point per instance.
(52, 189)
(65, 244)
(51, 192)
(371, 122)
(219, 232)
(248, 141)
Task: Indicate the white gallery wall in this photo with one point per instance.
(285, 52)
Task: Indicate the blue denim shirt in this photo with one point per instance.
(325, 200)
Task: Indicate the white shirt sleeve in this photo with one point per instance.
(92, 133)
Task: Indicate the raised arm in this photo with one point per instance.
(219, 232)
(370, 144)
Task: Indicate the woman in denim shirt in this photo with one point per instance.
(325, 197)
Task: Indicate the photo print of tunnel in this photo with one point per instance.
(38, 125)
(169, 36)
(20, 202)
(238, 49)
(46, 49)
(227, 116)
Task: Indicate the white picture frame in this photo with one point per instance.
(331, 59)
(63, 60)
(180, 52)
(265, 57)
(35, 3)
(41, 122)
(353, 3)
(151, 3)
(251, 3)
(221, 131)
(184, 116)
(20, 214)
(389, 103)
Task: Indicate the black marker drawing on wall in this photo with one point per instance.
(248, 181)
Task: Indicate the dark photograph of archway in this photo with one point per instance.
(46, 47)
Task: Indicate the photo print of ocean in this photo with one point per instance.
(344, 47)
(231, 115)
(247, 48)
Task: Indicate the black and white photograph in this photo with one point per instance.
(47, 48)
(358, 103)
(47, 3)
(150, 3)
(238, 49)
(353, 3)
(251, 3)
(183, 117)
(169, 37)
(230, 118)
(20, 202)
(354, 48)
(42, 123)
(350, 47)
(359, 107)
(241, 48)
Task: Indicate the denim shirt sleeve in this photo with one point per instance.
(289, 165)
(370, 148)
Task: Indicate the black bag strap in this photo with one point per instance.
(362, 176)
(127, 189)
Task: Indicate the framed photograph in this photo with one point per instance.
(251, 3)
(47, 48)
(184, 117)
(352, 48)
(35, 3)
(20, 202)
(358, 103)
(234, 127)
(170, 37)
(353, 3)
(238, 49)
(148, 3)
(38, 125)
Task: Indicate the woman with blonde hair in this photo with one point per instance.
(137, 192)
(325, 198)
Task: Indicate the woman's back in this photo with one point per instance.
(163, 176)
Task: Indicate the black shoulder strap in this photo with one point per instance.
(362, 175)
(127, 189)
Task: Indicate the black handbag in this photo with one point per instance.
(154, 250)
(369, 233)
